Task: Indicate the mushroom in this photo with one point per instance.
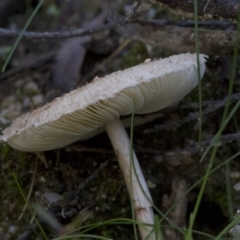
(80, 114)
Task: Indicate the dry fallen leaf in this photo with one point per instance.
(70, 57)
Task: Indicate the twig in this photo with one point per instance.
(87, 181)
(204, 9)
(61, 34)
(41, 156)
(193, 147)
(189, 23)
(191, 106)
(107, 60)
(177, 216)
(28, 232)
(181, 39)
(224, 139)
(36, 63)
(218, 8)
(135, 11)
(78, 148)
(193, 116)
(84, 32)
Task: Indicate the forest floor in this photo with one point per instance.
(82, 184)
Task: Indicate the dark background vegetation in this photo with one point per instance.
(84, 179)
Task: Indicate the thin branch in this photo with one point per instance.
(193, 116)
(101, 65)
(193, 148)
(137, 9)
(215, 8)
(181, 39)
(177, 216)
(87, 181)
(224, 139)
(191, 105)
(37, 63)
(213, 24)
(84, 32)
(28, 232)
(61, 34)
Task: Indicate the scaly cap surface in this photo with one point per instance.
(82, 113)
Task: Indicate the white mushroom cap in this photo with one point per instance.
(80, 114)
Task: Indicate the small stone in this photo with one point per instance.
(235, 232)
(31, 88)
(7, 101)
(26, 102)
(236, 186)
(151, 184)
(51, 198)
(42, 179)
(12, 229)
(14, 110)
(148, 60)
(158, 159)
(235, 174)
(37, 100)
(103, 196)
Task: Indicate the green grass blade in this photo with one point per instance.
(21, 34)
(198, 72)
(225, 119)
(28, 205)
(132, 168)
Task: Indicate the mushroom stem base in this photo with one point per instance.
(133, 177)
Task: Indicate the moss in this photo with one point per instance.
(4, 150)
(13, 163)
(136, 54)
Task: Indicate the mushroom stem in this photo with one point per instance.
(134, 179)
